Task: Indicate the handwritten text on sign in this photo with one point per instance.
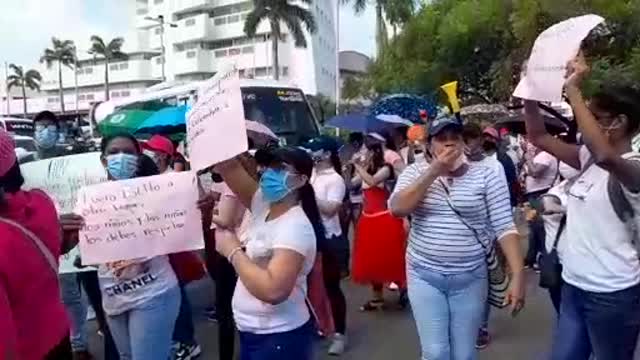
(554, 48)
(141, 217)
(61, 178)
(215, 124)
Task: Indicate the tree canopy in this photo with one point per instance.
(483, 43)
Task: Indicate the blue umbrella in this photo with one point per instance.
(404, 106)
(362, 123)
(167, 121)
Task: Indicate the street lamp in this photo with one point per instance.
(159, 20)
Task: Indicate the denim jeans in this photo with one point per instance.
(448, 310)
(296, 344)
(76, 304)
(183, 331)
(145, 332)
(605, 323)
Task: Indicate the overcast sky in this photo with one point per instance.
(26, 26)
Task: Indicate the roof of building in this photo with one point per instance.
(353, 61)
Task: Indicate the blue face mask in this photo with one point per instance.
(273, 185)
(122, 166)
(46, 136)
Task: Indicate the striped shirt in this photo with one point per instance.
(439, 240)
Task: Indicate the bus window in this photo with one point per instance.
(285, 111)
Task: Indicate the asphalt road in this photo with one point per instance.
(392, 334)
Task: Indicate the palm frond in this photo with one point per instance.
(115, 45)
(33, 74)
(295, 29)
(13, 81)
(254, 18)
(301, 15)
(358, 5)
(17, 70)
(48, 57)
(97, 45)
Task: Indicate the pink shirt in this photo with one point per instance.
(32, 318)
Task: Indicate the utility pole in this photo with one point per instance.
(6, 87)
(337, 62)
(159, 20)
(75, 77)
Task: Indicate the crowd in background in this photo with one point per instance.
(431, 210)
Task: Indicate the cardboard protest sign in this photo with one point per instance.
(61, 178)
(139, 218)
(545, 72)
(215, 124)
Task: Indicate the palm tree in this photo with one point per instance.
(277, 12)
(111, 51)
(398, 12)
(62, 53)
(30, 79)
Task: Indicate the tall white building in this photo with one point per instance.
(204, 35)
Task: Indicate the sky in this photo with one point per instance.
(28, 25)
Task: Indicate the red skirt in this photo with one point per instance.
(379, 247)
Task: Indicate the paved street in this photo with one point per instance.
(392, 335)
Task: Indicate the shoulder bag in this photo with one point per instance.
(46, 253)
(550, 266)
(498, 278)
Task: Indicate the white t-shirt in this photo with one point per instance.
(600, 255)
(552, 221)
(329, 186)
(567, 171)
(292, 231)
(546, 178)
(120, 295)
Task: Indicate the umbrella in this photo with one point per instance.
(515, 123)
(405, 106)
(259, 133)
(123, 121)
(362, 123)
(167, 121)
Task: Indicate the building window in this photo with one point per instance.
(142, 11)
(191, 54)
(247, 50)
(88, 70)
(52, 100)
(190, 22)
(220, 53)
(79, 71)
(285, 71)
(113, 67)
(157, 31)
(235, 51)
(123, 66)
(243, 17)
(158, 1)
(179, 47)
(233, 19)
(159, 60)
(81, 97)
(115, 94)
(89, 96)
(220, 21)
(261, 71)
(125, 93)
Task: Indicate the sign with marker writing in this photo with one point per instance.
(141, 217)
(61, 178)
(215, 124)
(544, 77)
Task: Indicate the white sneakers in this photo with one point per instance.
(338, 345)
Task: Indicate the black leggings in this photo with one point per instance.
(62, 351)
(225, 278)
(332, 272)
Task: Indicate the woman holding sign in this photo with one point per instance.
(600, 302)
(269, 300)
(33, 320)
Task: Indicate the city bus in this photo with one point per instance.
(283, 108)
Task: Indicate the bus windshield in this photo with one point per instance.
(283, 110)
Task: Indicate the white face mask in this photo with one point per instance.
(461, 160)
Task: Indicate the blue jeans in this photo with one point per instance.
(605, 323)
(144, 333)
(76, 304)
(296, 344)
(448, 310)
(183, 331)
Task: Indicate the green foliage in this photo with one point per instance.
(483, 43)
(109, 51)
(62, 53)
(30, 79)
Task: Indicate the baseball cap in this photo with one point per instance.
(159, 143)
(492, 132)
(443, 122)
(323, 142)
(7, 152)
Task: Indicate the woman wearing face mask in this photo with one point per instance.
(269, 300)
(46, 135)
(142, 319)
(330, 190)
(456, 212)
(379, 245)
(600, 303)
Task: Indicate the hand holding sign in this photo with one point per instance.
(142, 217)
(544, 76)
(215, 124)
(577, 69)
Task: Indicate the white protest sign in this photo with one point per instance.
(215, 124)
(545, 71)
(140, 217)
(61, 178)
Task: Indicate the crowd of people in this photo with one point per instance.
(431, 209)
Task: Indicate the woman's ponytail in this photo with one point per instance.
(310, 207)
(335, 162)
